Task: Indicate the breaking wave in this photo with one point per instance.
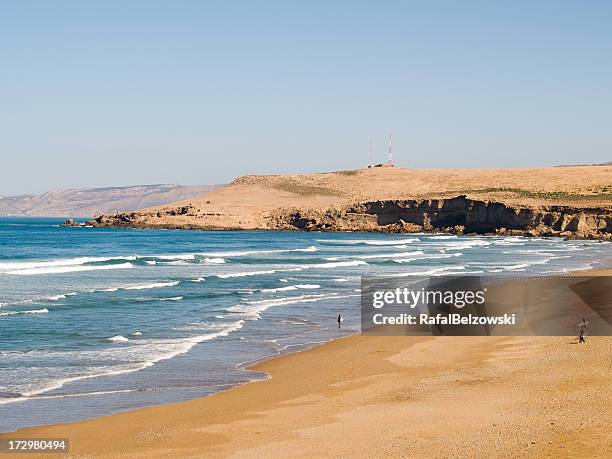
(251, 310)
(67, 269)
(150, 286)
(368, 241)
(21, 265)
(33, 311)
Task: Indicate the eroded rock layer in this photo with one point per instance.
(459, 215)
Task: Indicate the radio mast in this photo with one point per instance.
(390, 153)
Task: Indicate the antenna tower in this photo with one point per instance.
(390, 153)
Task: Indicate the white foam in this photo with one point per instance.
(341, 279)
(137, 333)
(368, 241)
(427, 257)
(517, 267)
(290, 287)
(308, 286)
(498, 267)
(339, 264)
(56, 297)
(279, 289)
(199, 279)
(174, 298)
(85, 394)
(178, 256)
(568, 248)
(32, 311)
(61, 296)
(391, 255)
(243, 253)
(514, 240)
(15, 266)
(145, 352)
(244, 274)
(444, 255)
(153, 285)
(67, 269)
(529, 251)
(215, 261)
(431, 272)
(466, 244)
(118, 339)
(251, 310)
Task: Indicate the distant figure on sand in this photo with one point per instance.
(339, 320)
(582, 325)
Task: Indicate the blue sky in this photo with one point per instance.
(193, 92)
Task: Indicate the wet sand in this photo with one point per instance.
(384, 396)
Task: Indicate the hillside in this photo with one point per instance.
(279, 201)
(93, 201)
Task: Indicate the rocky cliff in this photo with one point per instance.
(459, 215)
(556, 201)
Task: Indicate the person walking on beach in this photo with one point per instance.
(339, 320)
(582, 325)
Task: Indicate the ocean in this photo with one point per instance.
(97, 321)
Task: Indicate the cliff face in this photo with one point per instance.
(459, 215)
(558, 201)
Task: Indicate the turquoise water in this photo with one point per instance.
(95, 321)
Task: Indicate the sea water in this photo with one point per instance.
(96, 321)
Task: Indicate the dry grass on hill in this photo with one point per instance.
(248, 200)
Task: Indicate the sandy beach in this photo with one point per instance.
(306, 230)
(384, 396)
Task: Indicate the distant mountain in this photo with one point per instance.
(609, 163)
(86, 202)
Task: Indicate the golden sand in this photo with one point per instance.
(384, 397)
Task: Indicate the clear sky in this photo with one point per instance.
(105, 93)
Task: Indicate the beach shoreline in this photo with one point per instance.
(381, 396)
(391, 396)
